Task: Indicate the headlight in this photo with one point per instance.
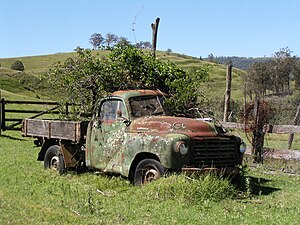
(181, 147)
(243, 147)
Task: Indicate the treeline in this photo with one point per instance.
(275, 76)
(243, 63)
(98, 41)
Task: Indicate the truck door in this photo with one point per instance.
(107, 136)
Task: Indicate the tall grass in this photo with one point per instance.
(31, 195)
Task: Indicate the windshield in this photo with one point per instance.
(147, 105)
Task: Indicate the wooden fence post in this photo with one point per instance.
(258, 133)
(154, 27)
(296, 121)
(2, 114)
(227, 92)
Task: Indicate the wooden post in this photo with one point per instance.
(154, 27)
(2, 114)
(296, 121)
(227, 93)
(258, 133)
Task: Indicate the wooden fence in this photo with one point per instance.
(10, 122)
(275, 129)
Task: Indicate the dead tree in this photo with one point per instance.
(295, 122)
(227, 93)
(154, 27)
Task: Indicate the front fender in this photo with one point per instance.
(160, 145)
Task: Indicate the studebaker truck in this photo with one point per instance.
(132, 134)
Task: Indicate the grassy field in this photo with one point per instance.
(30, 195)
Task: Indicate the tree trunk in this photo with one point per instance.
(227, 93)
(154, 27)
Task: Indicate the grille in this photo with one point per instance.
(218, 152)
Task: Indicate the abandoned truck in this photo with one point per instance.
(131, 134)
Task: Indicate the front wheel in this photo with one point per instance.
(148, 170)
(54, 159)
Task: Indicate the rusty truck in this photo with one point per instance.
(132, 134)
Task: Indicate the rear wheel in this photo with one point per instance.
(148, 170)
(54, 159)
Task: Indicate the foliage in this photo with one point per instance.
(17, 65)
(274, 75)
(110, 39)
(96, 40)
(243, 63)
(123, 41)
(86, 77)
(169, 50)
(144, 44)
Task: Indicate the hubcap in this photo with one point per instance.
(54, 163)
(150, 175)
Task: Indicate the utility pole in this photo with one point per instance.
(154, 27)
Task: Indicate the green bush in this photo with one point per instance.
(17, 65)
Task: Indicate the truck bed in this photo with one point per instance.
(64, 130)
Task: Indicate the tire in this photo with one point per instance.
(148, 170)
(54, 159)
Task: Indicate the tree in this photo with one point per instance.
(96, 40)
(274, 75)
(143, 44)
(296, 75)
(110, 39)
(17, 65)
(86, 77)
(211, 57)
(169, 50)
(123, 41)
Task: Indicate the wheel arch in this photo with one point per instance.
(47, 144)
(139, 157)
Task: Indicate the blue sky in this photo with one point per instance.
(248, 28)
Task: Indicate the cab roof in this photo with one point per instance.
(133, 93)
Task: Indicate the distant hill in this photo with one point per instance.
(243, 63)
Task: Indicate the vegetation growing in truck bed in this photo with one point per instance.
(30, 195)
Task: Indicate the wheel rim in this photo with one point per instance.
(150, 175)
(54, 163)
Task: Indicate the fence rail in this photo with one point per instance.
(275, 129)
(14, 126)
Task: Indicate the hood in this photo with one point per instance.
(168, 124)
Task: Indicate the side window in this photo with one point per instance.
(110, 110)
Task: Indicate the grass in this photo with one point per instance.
(31, 195)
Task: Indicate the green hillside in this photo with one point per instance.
(35, 66)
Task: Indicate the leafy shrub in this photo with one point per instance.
(86, 77)
(18, 65)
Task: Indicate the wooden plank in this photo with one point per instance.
(31, 102)
(23, 111)
(63, 130)
(283, 129)
(276, 129)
